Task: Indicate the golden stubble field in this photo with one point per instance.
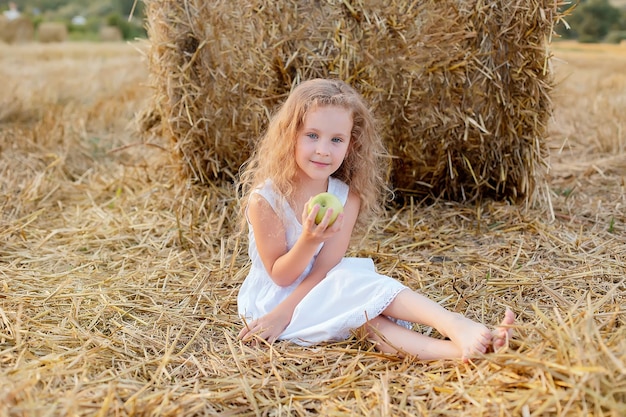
(118, 280)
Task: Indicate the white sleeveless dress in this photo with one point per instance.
(352, 292)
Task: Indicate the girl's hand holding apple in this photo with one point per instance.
(328, 203)
(322, 216)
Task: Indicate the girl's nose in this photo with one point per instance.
(322, 148)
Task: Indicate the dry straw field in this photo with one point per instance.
(118, 280)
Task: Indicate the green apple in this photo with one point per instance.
(326, 201)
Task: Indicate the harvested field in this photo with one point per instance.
(118, 282)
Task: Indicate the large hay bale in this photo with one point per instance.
(461, 88)
(19, 30)
(110, 34)
(49, 32)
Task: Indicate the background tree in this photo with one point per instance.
(592, 20)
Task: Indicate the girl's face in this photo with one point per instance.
(323, 141)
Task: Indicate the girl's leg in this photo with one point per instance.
(470, 337)
(390, 337)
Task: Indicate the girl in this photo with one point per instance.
(300, 286)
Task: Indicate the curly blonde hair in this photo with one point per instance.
(364, 168)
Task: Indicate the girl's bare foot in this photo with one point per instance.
(470, 337)
(501, 335)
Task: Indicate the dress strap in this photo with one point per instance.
(339, 188)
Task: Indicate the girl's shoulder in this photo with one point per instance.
(270, 193)
(267, 191)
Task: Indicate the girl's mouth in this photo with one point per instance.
(320, 164)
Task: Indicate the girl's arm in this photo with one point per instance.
(285, 266)
(270, 326)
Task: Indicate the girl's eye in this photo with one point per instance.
(312, 135)
(337, 140)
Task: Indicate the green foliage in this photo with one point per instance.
(126, 7)
(616, 36)
(130, 30)
(612, 225)
(48, 4)
(592, 20)
(37, 21)
(98, 13)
